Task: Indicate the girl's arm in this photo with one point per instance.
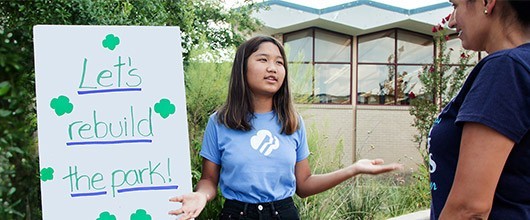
(308, 184)
(206, 189)
(483, 153)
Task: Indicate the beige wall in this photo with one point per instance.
(381, 132)
(386, 132)
(334, 123)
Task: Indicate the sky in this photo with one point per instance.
(319, 4)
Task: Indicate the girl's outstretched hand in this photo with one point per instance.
(192, 205)
(375, 166)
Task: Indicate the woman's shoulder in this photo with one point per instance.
(517, 54)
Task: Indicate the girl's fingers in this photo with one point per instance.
(188, 215)
(378, 161)
(176, 212)
(176, 199)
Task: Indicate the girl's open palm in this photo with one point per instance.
(375, 166)
(192, 205)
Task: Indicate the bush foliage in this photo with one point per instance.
(199, 20)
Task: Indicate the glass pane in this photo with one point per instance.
(377, 48)
(482, 55)
(332, 47)
(454, 47)
(299, 46)
(458, 75)
(301, 82)
(332, 83)
(375, 84)
(414, 48)
(408, 84)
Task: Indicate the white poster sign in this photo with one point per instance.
(112, 127)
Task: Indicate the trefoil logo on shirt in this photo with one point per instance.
(265, 142)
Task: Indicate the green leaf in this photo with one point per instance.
(4, 113)
(16, 149)
(4, 87)
(11, 191)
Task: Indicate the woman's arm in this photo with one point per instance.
(308, 184)
(206, 189)
(483, 153)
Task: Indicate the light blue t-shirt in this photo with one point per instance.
(258, 165)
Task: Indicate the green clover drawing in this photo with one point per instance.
(164, 108)
(106, 216)
(46, 174)
(140, 215)
(61, 105)
(111, 41)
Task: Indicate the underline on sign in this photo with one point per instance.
(109, 142)
(109, 91)
(148, 188)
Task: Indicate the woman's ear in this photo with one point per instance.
(489, 5)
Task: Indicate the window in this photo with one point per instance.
(388, 66)
(320, 64)
(459, 62)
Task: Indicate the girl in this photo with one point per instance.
(255, 145)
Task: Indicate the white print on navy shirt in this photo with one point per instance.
(432, 163)
(265, 142)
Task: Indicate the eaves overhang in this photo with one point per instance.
(353, 18)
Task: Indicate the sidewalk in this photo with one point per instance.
(420, 215)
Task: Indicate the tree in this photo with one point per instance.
(197, 19)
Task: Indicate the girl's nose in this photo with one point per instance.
(271, 68)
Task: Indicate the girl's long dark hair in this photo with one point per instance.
(237, 111)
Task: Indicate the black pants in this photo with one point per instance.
(281, 209)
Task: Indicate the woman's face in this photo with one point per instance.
(265, 70)
(471, 23)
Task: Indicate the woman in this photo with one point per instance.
(255, 145)
(480, 145)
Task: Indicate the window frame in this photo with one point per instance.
(313, 63)
(395, 64)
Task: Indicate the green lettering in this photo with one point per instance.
(130, 73)
(97, 177)
(150, 124)
(82, 129)
(83, 76)
(152, 171)
(119, 65)
(96, 124)
(103, 75)
(121, 130)
(70, 128)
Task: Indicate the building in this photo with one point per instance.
(358, 63)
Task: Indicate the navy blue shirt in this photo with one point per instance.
(495, 94)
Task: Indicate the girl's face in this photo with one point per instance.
(265, 70)
(470, 22)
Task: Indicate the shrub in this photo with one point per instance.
(206, 87)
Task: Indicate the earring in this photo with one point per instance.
(485, 11)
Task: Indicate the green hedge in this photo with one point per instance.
(19, 174)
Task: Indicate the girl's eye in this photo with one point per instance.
(262, 59)
(279, 62)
